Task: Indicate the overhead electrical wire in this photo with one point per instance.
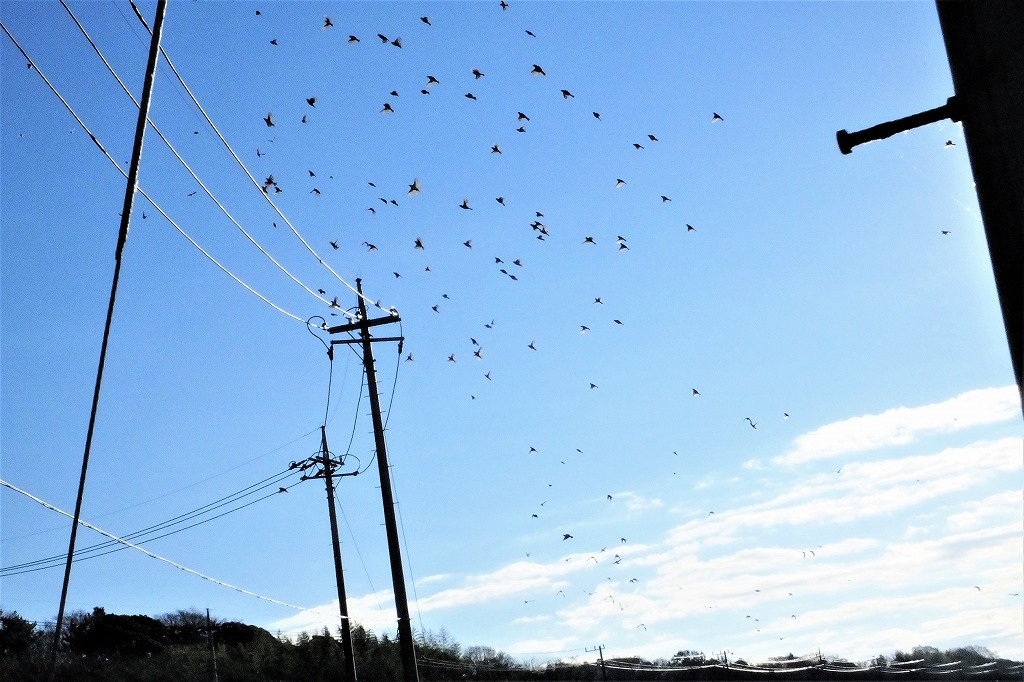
(94, 551)
(165, 560)
(141, 191)
(252, 179)
(185, 164)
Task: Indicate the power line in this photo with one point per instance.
(94, 550)
(256, 183)
(139, 189)
(151, 554)
(187, 167)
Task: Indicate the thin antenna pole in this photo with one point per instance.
(129, 197)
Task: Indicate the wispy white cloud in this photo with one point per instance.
(903, 425)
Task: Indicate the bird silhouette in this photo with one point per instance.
(598, 301)
(418, 244)
(500, 200)
(465, 205)
(273, 41)
(531, 33)
(566, 536)
(327, 22)
(619, 182)
(386, 109)
(664, 199)
(950, 143)
(753, 425)
(431, 81)
(397, 42)
(425, 20)
(311, 101)
(589, 240)
(451, 358)
(652, 138)
(334, 244)
(566, 94)
(690, 228)
(468, 243)
(383, 38)
(522, 116)
(637, 145)
(596, 115)
(533, 345)
(504, 5)
(470, 95)
(414, 188)
(695, 392)
(369, 246)
(477, 74)
(282, 490)
(715, 118)
(495, 149)
(269, 120)
(520, 129)
(353, 39)
(537, 71)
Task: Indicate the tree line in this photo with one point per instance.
(189, 645)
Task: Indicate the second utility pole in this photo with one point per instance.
(405, 640)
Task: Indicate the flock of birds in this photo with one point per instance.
(509, 267)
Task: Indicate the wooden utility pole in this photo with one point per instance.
(362, 325)
(326, 472)
(600, 653)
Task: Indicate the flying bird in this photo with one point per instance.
(311, 101)
(950, 143)
(664, 199)
(369, 246)
(589, 240)
(282, 490)
(477, 74)
(500, 200)
(566, 94)
(695, 392)
(504, 5)
(468, 243)
(414, 188)
(269, 120)
(522, 117)
(716, 118)
(753, 424)
(419, 244)
(637, 145)
(470, 95)
(598, 301)
(353, 39)
(537, 71)
(327, 22)
(533, 345)
(566, 536)
(465, 205)
(386, 109)
(451, 358)
(495, 149)
(383, 38)
(425, 20)
(596, 115)
(397, 42)
(652, 138)
(619, 182)
(690, 228)
(335, 245)
(273, 41)
(520, 129)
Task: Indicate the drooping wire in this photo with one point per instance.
(141, 191)
(94, 550)
(151, 554)
(256, 183)
(185, 164)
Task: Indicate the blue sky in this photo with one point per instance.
(884, 512)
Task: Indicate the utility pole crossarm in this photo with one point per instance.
(363, 324)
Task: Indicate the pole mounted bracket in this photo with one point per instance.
(847, 141)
